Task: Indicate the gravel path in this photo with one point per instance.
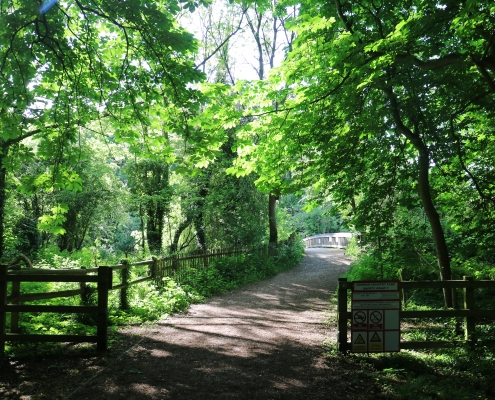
(263, 341)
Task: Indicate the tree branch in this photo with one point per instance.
(20, 138)
(221, 44)
(343, 18)
(484, 73)
(437, 63)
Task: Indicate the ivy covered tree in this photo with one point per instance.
(149, 183)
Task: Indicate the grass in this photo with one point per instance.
(459, 373)
(454, 374)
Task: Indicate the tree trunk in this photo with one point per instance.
(174, 246)
(67, 240)
(272, 219)
(199, 218)
(441, 248)
(154, 226)
(142, 227)
(3, 182)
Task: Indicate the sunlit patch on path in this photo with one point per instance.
(257, 342)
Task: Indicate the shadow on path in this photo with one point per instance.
(263, 341)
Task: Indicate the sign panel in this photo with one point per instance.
(359, 321)
(375, 341)
(391, 340)
(376, 320)
(376, 295)
(375, 286)
(375, 316)
(359, 342)
(366, 305)
(392, 320)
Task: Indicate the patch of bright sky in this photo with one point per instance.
(242, 47)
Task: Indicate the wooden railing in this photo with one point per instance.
(158, 268)
(11, 304)
(336, 240)
(469, 312)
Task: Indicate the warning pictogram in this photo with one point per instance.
(360, 317)
(359, 340)
(359, 321)
(375, 338)
(375, 320)
(375, 341)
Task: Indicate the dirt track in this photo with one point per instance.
(263, 341)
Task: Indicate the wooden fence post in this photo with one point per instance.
(470, 322)
(153, 271)
(124, 280)
(104, 285)
(403, 291)
(84, 292)
(342, 315)
(14, 317)
(3, 303)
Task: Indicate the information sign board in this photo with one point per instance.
(375, 316)
(375, 286)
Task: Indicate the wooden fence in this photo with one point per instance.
(336, 240)
(11, 304)
(175, 266)
(469, 312)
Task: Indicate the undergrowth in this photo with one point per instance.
(232, 272)
(463, 372)
(447, 374)
(147, 302)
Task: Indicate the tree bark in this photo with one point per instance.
(142, 227)
(174, 246)
(3, 182)
(67, 240)
(441, 247)
(154, 226)
(435, 224)
(272, 218)
(199, 224)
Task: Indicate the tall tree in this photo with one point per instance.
(149, 182)
(265, 24)
(84, 61)
(387, 85)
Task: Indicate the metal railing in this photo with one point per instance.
(338, 240)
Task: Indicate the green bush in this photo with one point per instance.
(369, 267)
(147, 302)
(235, 271)
(372, 265)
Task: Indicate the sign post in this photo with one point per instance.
(375, 316)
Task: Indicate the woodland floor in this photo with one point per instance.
(263, 341)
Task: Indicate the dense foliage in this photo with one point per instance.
(123, 135)
(386, 108)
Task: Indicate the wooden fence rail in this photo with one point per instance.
(103, 280)
(469, 313)
(173, 266)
